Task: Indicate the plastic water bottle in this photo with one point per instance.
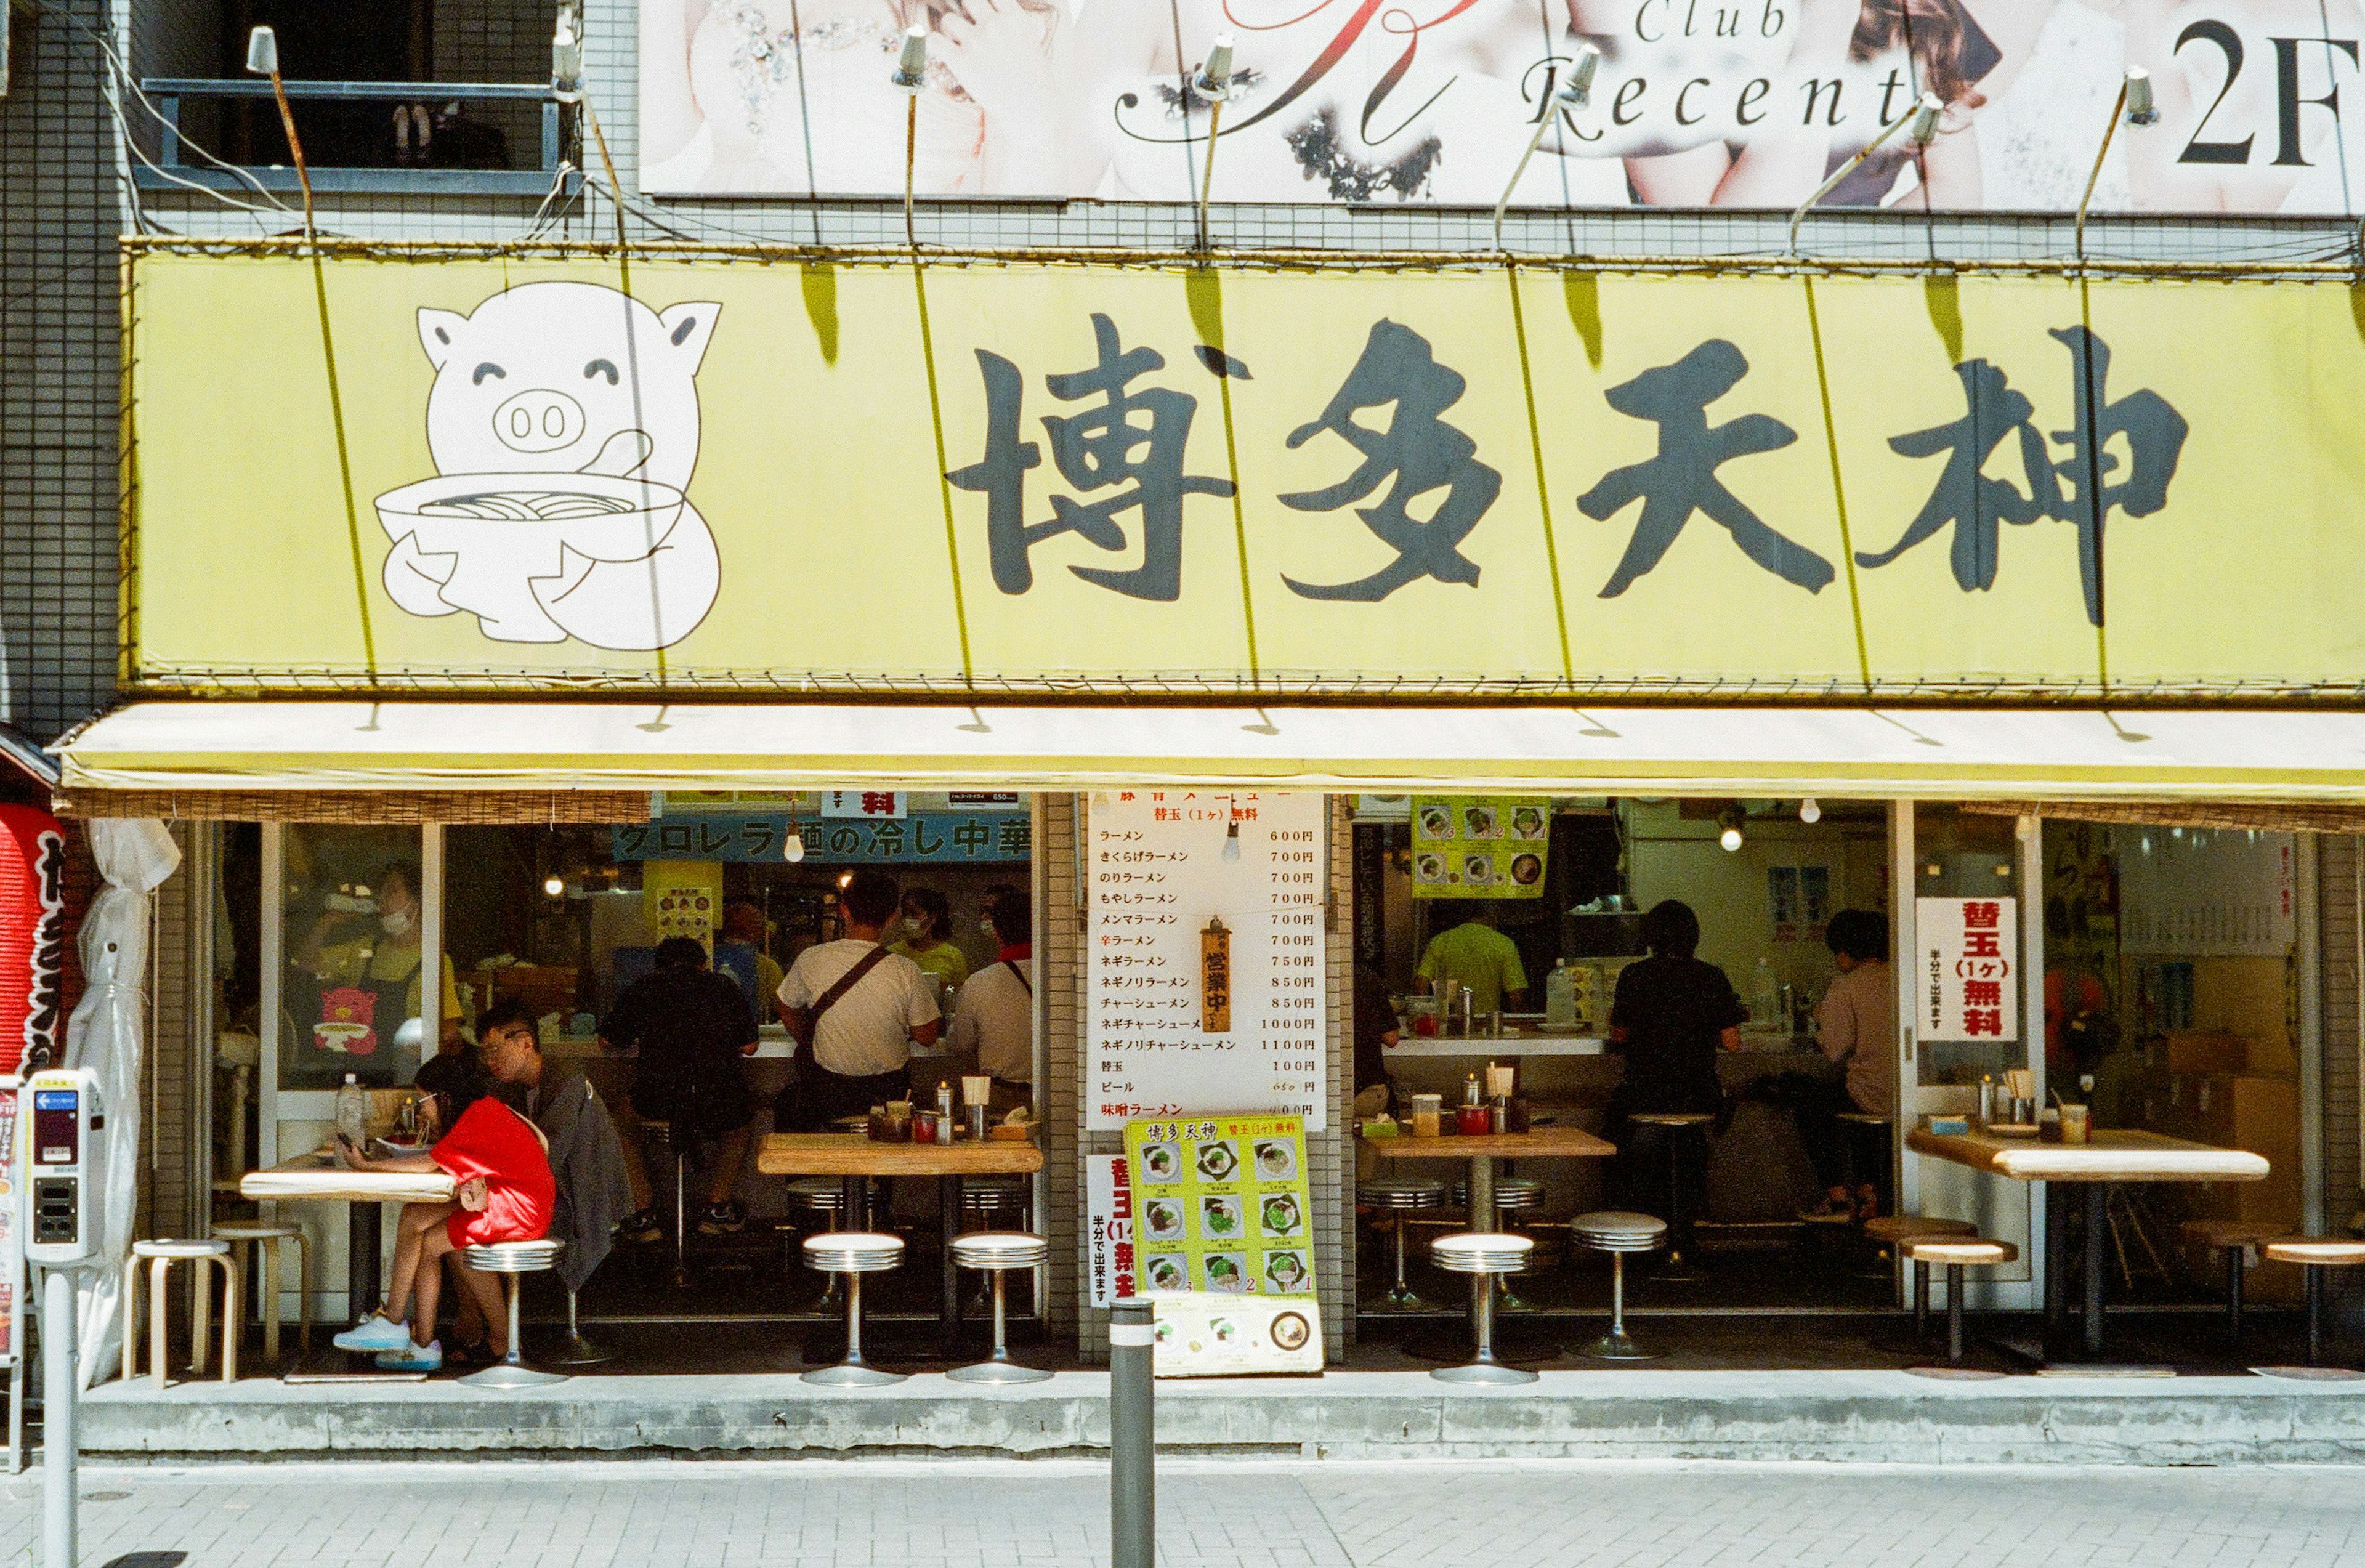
(1560, 997)
(1765, 996)
(353, 1111)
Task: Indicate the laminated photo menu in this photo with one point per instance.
(1220, 1204)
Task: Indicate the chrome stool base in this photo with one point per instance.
(998, 1372)
(575, 1350)
(1617, 1346)
(1485, 1375)
(504, 1375)
(851, 1375)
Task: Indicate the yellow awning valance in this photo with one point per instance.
(522, 747)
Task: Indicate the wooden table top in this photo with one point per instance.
(855, 1154)
(2111, 1154)
(315, 1178)
(1544, 1143)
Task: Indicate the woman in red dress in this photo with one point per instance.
(505, 1193)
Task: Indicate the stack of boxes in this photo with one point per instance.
(2236, 1091)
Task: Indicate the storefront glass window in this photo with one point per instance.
(355, 994)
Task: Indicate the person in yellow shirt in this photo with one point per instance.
(1475, 955)
(926, 918)
(367, 967)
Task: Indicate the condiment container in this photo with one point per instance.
(1426, 1109)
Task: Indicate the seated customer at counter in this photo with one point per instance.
(993, 1025)
(689, 1027)
(1475, 955)
(855, 1009)
(1857, 1026)
(1670, 1014)
(504, 1193)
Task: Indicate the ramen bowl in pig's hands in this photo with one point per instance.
(516, 543)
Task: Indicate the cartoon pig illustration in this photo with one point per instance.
(564, 424)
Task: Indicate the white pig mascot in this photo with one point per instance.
(564, 425)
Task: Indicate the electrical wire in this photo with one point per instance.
(120, 80)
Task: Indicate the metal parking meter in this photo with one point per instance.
(62, 1182)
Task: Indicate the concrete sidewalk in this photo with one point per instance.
(1862, 1415)
(970, 1514)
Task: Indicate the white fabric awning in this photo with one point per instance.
(1946, 753)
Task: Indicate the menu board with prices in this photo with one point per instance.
(1220, 1204)
(1206, 976)
(1480, 847)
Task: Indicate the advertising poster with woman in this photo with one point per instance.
(1697, 103)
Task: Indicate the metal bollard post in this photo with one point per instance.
(59, 1378)
(1133, 1437)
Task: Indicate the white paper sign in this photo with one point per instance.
(1109, 1235)
(863, 802)
(1165, 866)
(1968, 975)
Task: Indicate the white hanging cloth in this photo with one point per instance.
(103, 1037)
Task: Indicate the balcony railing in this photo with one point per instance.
(366, 105)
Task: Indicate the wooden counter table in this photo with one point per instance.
(316, 1178)
(1481, 1150)
(2109, 1155)
(855, 1158)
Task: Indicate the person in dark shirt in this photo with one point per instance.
(1375, 1030)
(690, 1026)
(1669, 1017)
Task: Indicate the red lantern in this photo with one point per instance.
(32, 933)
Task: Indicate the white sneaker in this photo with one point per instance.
(414, 1358)
(380, 1333)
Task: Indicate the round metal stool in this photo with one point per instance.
(661, 1134)
(853, 1253)
(1514, 1195)
(2315, 1254)
(997, 1252)
(1895, 1229)
(990, 1197)
(1401, 1196)
(1860, 1127)
(1618, 1234)
(1957, 1253)
(265, 1241)
(1678, 1267)
(512, 1259)
(993, 1203)
(824, 1196)
(159, 1255)
(1484, 1256)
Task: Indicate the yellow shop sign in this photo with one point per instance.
(732, 471)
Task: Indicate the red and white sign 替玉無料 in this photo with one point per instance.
(1967, 977)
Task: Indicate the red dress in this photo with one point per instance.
(492, 1141)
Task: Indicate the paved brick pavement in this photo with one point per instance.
(1246, 1515)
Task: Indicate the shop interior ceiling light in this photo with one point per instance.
(794, 850)
(556, 887)
(1231, 841)
(1728, 820)
(1809, 812)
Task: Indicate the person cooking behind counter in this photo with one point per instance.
(1475, 955)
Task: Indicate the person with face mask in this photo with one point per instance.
(365, 968)
(926, 923)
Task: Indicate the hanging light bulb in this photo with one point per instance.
(1728, 820)
(555, 887)
(1730, 838)
(1809, 811)
(1231, 841)
(794, 850)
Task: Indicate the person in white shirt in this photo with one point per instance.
(856, 1009)
(993, 1027)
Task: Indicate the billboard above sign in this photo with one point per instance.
(1696, 104)
(1084, 480)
